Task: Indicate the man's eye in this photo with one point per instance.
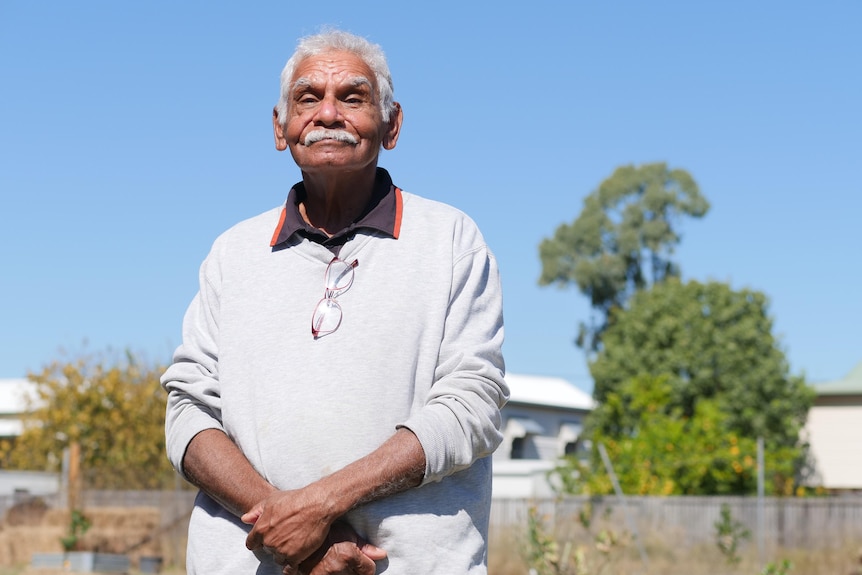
(305, 99)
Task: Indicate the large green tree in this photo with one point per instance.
(622, 241)
(115, 412)
(710, 342)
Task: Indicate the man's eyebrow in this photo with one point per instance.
(360, 81)
(300, 83)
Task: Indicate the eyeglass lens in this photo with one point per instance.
(327, 317)
(339, 275)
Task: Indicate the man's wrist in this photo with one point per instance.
(330, 495)
(262, 492)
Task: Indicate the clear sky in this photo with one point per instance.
(133, 133)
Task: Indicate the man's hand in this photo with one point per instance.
(343, 553)
(291, 525)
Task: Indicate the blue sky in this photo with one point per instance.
(133, 133)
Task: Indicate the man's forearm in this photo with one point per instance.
(395, 466)
(214, 463)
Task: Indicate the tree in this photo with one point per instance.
(711, 343)
(116, 413)
(656, 449)
(622, 241)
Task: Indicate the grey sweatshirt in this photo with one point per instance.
(419, 347)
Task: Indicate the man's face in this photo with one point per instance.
(333, 115)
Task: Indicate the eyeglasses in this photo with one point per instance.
(327, 313)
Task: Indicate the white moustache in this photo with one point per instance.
(338, 135)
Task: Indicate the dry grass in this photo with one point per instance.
(508, 549)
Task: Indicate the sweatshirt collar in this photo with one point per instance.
(383, 213)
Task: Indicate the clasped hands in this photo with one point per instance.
(297, 527)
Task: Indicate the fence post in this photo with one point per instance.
(761, 528)
(610, 468)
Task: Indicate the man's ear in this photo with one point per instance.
(278, 132)
(390, 136)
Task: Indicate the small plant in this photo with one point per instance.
(78, 525)
(545, 558)
(775, 569)
(585, 515)
(542, 550)
(729, 534)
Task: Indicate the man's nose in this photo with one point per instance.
(329, 111)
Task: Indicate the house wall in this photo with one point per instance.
(834, 431)
(28, 482)
(522, 478)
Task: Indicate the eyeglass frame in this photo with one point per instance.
(328, 301)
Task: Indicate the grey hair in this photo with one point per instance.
(337, 40)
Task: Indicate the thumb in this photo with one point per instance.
(252, 515)
(373, 552)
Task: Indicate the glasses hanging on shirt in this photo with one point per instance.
(328, 313)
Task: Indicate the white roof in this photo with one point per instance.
(548, 391)
(13, 394)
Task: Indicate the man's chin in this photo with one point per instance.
(331, 162)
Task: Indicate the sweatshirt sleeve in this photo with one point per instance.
(460, 421)
(192, 379)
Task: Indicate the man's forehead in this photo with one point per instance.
(343, 67)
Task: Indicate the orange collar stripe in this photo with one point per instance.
(274, 239)
(399, 210)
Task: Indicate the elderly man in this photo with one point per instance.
(340, 378)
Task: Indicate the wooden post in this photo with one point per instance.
(74, 476)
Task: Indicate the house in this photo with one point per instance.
(14, 395)
(13, 402)
(834, 431)
(541, 423)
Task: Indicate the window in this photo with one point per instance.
(517, 448)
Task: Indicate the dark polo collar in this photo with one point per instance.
(383, 213)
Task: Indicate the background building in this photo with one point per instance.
(13, 402)
(542, 422)
(834, 431)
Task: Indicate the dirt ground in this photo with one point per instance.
(32, 527)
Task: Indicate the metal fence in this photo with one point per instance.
(807, 523)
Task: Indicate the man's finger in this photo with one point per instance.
(254, 540)
(252, 514)
(373, 552)
(361, 564)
